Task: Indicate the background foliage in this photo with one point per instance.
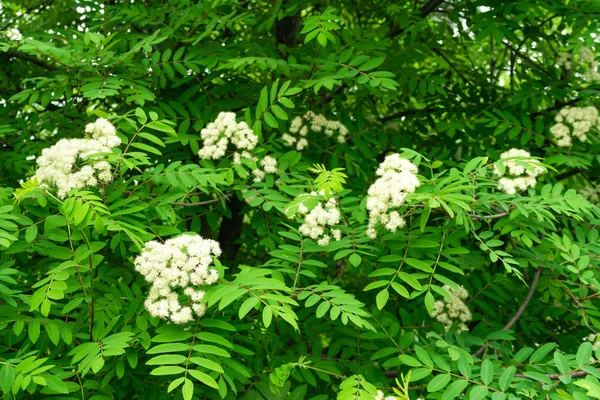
(449, 84)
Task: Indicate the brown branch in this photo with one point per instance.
(574, 299)
(424, 11)
(405, 113)
(525, 58)
(201, 203)
(492, 216)
(557, 106)
(554, 377)
(569, 174)
(31, 59)
(439, 53)
(521, 309)
(27, 12)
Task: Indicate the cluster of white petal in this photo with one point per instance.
(181, 264)
(521, 178)
(574, 122)
(586, 58)
(382, 396)
(65, 165)
(591, 193)
(217, 135)
(318, 222)
(397, 178)
(454, 309)
(594, 339)
(13, 34)
(565, 60)
(300, 127)
(269, 166)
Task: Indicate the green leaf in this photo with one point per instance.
(561, 363)
(169, 348)
(506, 378)
(382, 298)
(438, 382)
(372, 64)
(161, 127)
(455, 389)
(167, 359)
(204, 378)
(322, 309)
(541, 352)
(141, 115)
(167, 370)
(267, 316)
(248, 305)
(31, 233)
(188, 388)
(7, 375)
(429, 302)
(584, 353)
(478, 393)
(487, 371)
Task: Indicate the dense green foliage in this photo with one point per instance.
(449, 85)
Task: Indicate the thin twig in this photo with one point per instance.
(554, 377)
(201, 203)
(521, 309)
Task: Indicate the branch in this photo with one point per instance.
(424, 11)
(439, 53)
(569, 174)
(492, 216)
(31, 59)
(554, 377)
(405, 113)
(201, 203)
(573, 298)
(521, 309)
(525, 58)
(26, 12)
(557, 106)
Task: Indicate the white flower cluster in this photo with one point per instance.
(13, 34)
(587, 60)
(65, 167)
(300, 126)
(217, 135)
(574, 122)
(455, 309)
(397, 178)
(382, 396)
(594, 339)
(269, 166)
(319, 219)
(514, 161)
(182, 263)
(591, 193)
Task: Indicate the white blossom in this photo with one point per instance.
(565, 59)
(319, 221)
(574, 122)
(586, 54)
(269, 166)
(66, 165)
(382, 396)
(104, 132)
(522, 168)
(181, 264)
(397, 178)
(217, 135)
(13, 34)
(453, 309)
(300, 126)
(591, 193)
